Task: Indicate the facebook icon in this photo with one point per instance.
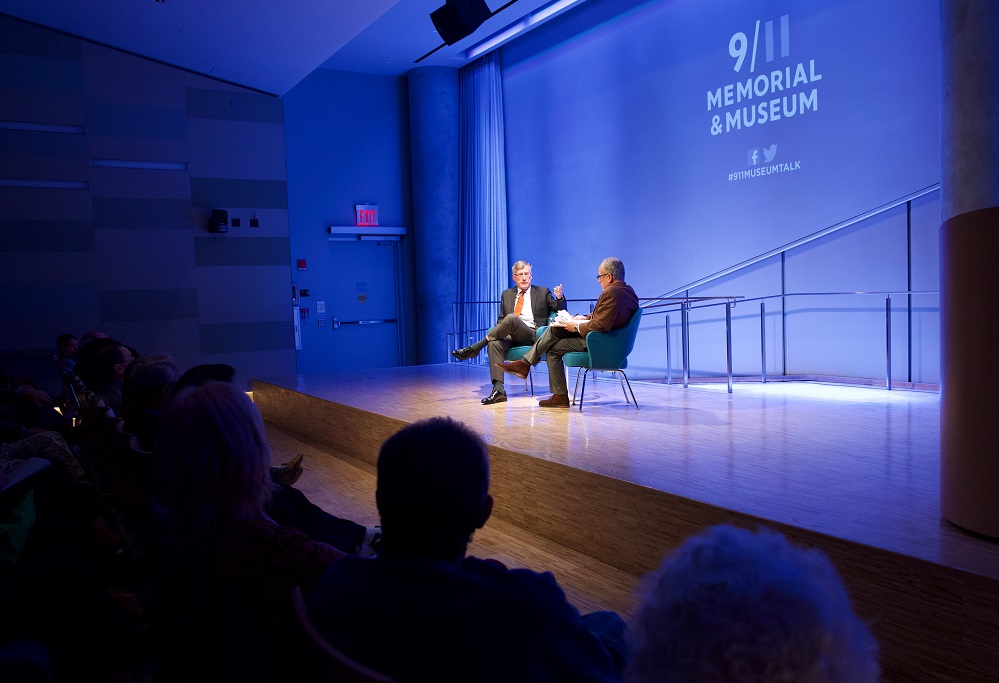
(754, 156)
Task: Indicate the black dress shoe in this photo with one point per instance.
(496, 397)
(465, 353)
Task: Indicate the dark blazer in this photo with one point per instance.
(542, 301)
(427, 621)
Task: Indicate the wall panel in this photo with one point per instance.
(121, 253)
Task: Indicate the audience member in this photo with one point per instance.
(47, 445)
(109, 366)
(85, 377)
(56, 569)
(61, 623)
(149, 383)
(67, 346)
(25, 409)
(199, 374)
(424, 611)
(86, 358)
(147, 386)
(731, 605)
(287, 506)
(122, 456)
(31, 428)
(213, 460)
(222, 607)
(91, 336)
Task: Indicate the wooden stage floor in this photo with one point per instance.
(852, 470)
(858, 463)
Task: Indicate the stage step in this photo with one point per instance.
(932, 597)
(345, 487)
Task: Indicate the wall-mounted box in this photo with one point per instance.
(218, 221)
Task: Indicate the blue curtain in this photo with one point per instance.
(483, 268)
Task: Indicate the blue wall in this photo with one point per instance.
(347, 138)
(610, 151)
(613, 148)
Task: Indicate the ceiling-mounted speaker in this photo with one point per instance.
(457, 19)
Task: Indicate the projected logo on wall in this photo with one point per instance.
(756, 169)
(779, 93)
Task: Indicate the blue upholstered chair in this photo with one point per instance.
(517, 352)
(606, 352)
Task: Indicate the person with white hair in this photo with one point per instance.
(732, 606)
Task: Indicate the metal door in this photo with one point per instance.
(363, 306)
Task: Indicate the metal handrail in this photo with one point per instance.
(763, 299)
(687, 304)
(668, 302)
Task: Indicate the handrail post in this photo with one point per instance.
(763, 342)
(669, 355)
(684, 342)
(888, 340)
(728, 341)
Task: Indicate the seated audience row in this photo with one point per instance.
(125, 487)
(183, 462)
(729, 605)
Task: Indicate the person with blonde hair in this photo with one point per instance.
(223, 600)
(214, 461)
(732, 605)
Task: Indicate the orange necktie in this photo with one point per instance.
(519, 306)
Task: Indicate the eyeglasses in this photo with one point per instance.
(602, 275)
(521, 276)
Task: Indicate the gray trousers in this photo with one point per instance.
(510, 331)
(554, 343)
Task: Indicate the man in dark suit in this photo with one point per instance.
(523, 309)
(617, 303)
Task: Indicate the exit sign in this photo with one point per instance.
(365, 214)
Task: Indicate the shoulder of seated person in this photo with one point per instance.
(491, 566)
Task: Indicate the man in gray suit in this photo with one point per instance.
(523, 309)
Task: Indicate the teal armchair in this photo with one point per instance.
(605, 352)
(517, 352)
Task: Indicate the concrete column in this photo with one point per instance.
(969, 265)
(433, 115)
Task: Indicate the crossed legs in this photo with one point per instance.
(507, 332)
(510, 331)
(554, 343)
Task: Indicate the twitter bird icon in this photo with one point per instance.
(769, 153)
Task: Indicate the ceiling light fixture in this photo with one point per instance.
(513, 30)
